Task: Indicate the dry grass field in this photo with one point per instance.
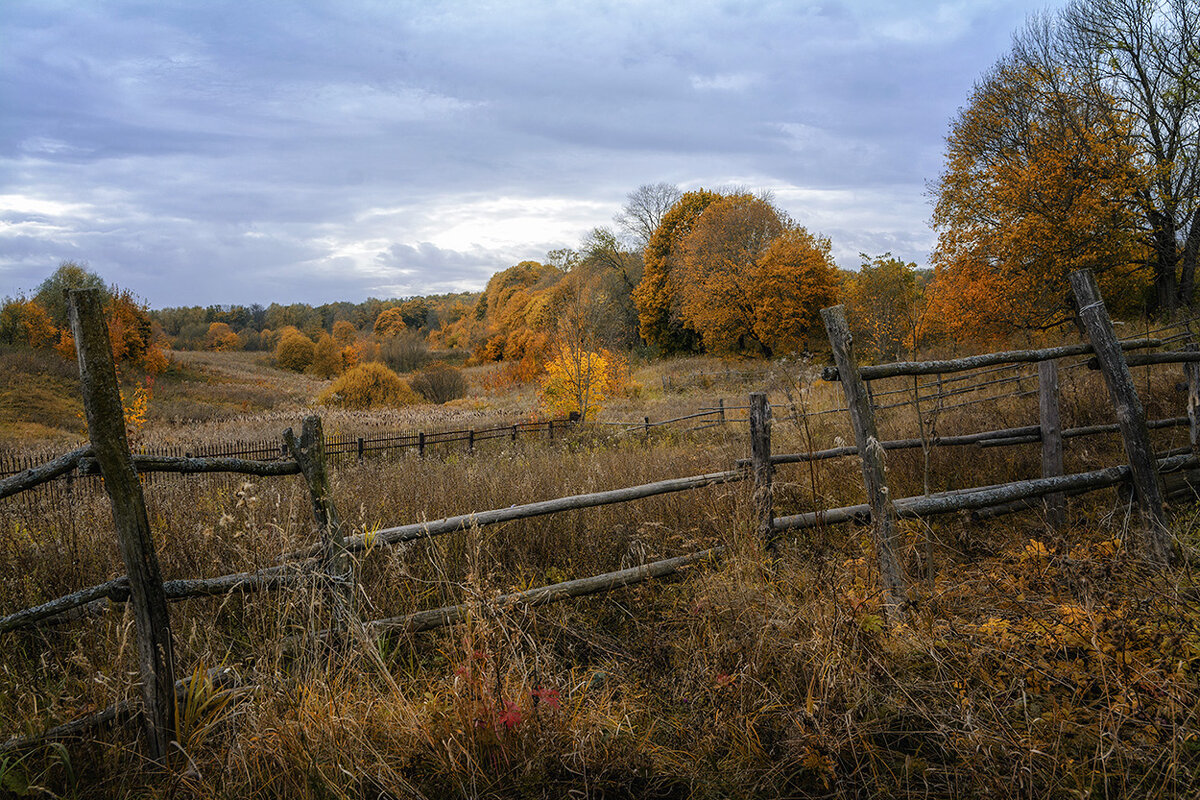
(1031, 664)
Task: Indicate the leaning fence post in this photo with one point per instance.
(1131, 417)
(760, 457)
(110, 445)
(309, 453)
(1052, 443)
(866, 436)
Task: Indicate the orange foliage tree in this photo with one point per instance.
(1035, 186)
(26, 322)
(657, 295)
(221, 338)
(390, 322)
(751, 280)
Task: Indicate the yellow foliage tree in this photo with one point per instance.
(887, 308)
(580, 381)
(295, 351)
(327, 358)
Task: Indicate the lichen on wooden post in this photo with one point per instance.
(760, 459)
(1131, 417)
(110, 446)
(1052, 443)
(309, 453)
(866, 435)
(1191, 369)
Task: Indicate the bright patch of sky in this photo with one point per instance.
(232, 152)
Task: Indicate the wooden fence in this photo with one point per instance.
(330, 562)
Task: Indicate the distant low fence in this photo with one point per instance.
(338, 446)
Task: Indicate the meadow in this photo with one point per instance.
(1031, 663)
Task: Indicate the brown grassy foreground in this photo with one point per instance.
(1032, 666)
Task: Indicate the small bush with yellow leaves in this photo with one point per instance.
(369, 385)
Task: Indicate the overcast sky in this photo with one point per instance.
(240, 152)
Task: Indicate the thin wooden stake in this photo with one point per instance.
(866, 435)
(309, 453)
(1191, 369)
(1131, 417)
(1052, 442)
(760, 456)
(110, 445)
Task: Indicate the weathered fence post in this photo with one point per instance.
(646, 421)
(471, 440)
(514, 433)
(1131, 418)
(866, 436)
(1191, 369)
(421, 443)
(550, 430)
(309, 453)
(361, 447)
(1052, 443)
(760, 457)
(110, 446)
(721, 410)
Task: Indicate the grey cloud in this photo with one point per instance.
(248, 143)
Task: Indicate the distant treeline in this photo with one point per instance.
(188, 326)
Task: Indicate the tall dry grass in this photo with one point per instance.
(1032, 665)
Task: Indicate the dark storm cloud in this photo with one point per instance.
(240, 152)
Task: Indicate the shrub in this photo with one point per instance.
(367, 386)
(327, 358)
(440, 383)
(295, 352)
(404, 352)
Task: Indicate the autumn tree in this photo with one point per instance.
(327, 358)
(52, 292)
(657, 295)
(1035, 186)
(751, 280)
(887, 307)
(580, 381)
(295, 351)
(390, 322)
(26, 322)
(220, 337)
(1134, 65)
(344, 333)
